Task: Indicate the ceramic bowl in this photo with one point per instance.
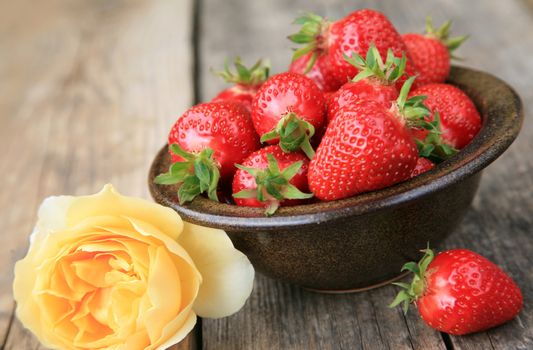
(362, 242)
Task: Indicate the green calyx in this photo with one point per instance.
(294, 134)
(373, 66)
(413, 110)
(198, 173)
(273, 185)
(311, 35)
(253, 76)
(411, 292)
(443, 34)
(433, 146)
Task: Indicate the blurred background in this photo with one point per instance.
(90, 88)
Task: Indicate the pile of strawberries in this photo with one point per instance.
(361, 108)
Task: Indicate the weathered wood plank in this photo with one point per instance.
(498, 225)
(88, 92)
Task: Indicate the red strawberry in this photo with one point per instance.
(289, 107)
(460, 121)
(205, 143)
(460, 292)
(353, 33)
(422, 165)
(270, 177)
(246, 82)
(375, 81)
(366, 147)
(431, 52)
(317, 71)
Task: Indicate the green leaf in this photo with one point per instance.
(310, 35)
(290, 171)
(310, 63)
(294, 133)
(404, 92)
(401, 297)
(177, 150)
(251, 171)
(180, 168)
(302, 52)
(292, 192)
(189, 189)
(411, 266)
(166, 179)
(300, 38)
(273, 191)
(402, 285)
(201, 170)
(426, 260)
(251, 76)
(272, 164)
(248, 193)
(272, 207)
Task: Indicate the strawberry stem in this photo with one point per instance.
(411, 292)
(312, 35)
(433, 146)
(273, 185)
(443, 34)
(294, 134)
(412, 110)
(197, 174)
(373, 66)
(252, 76)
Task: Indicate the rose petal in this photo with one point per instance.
(183, 324)
(52, 216)
(227, 273)
(111, 203)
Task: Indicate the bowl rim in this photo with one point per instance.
(502, 116)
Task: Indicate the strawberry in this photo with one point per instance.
(366, 147)
(459, 119)
(422, 165)
(288, 108)
(246, 82)
(431, 52)
(318, 71)
(460, 292)
(205, 143)
(353, 33)
(375, 81)
(270, 177)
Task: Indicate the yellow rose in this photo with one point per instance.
(113, 272)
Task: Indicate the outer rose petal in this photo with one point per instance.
(111, 203)
(227, 273)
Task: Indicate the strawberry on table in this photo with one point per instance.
(460, 292)
(246, 82)
(270, 177)
(459, 119)
(431, 52)
(205, 143)
(353, 33)
(288, 108)
(375, 81)
(366, 147)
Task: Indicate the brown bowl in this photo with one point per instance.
(361, 242)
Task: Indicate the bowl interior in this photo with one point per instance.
(501, 111)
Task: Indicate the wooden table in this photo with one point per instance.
(89, 90)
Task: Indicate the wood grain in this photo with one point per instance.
(498, 225)
(89, 89)
(88, 92)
